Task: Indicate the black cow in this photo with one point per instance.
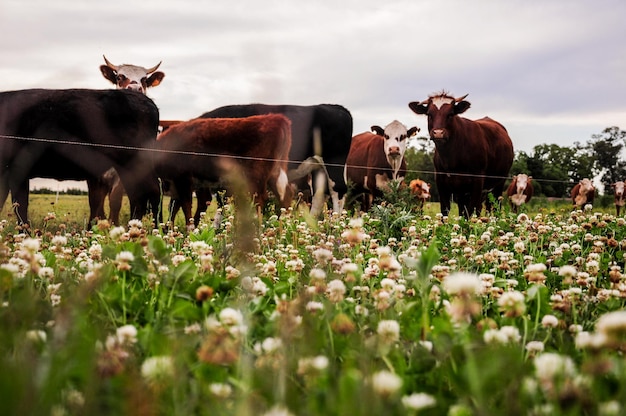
(77, 134)
(335, 127)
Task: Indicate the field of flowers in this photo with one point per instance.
(393, 312)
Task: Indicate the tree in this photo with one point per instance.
(606, 149)
(419, 161)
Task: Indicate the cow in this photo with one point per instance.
(520, 191)
(583, 193)
(77, 134)
(472, 157)
(334, 124)
(209, 150)
(618, 191)
(130, 77)
(421, 191)
(376, 159)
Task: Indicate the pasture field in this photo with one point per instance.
(393, 312)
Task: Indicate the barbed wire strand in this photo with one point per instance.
(203, 154)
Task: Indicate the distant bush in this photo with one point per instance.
(48, 191)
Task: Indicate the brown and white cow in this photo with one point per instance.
(129, 77)
(421, 190)
(132, 77)
(583, 193)
(376, 159)
(472, 157)
(211, 149)
(618, 192)
(520, 191)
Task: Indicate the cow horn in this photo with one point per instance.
(461, 98)
(109, 64)
(154, 68)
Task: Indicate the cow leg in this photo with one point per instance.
(115, 202)
(204, 198)
(96, 191)
(19, 196)
(4, 189)
(184, 193)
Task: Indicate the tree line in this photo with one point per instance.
(555, 169)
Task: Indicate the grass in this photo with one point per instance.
(390, 312)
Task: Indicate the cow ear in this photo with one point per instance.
(109, 74)
(378, 130)
(155, 79)
(461, 107)
(412, 131)
(418, 108)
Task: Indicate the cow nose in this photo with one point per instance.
(394, 151)
(437, 133)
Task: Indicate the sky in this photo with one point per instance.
(550, 71)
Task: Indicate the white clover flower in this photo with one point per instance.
(567, 271)
(336, 290)
(388, 331)
(418, 401)
(127, 334)
(317, 274)
(46, 272)
(231, 317)
(178, 259)
(462, 283)
(313, 306)
(549, 321)
(534, 347)
(31, 245)
(512, 303)
(37, 336)
(135, 223)
(116, 233)
(278, 410)
(549, 366)
(221, 390)
(59, 240)
(124, 257)
(612, 324)
(155, 370)
(386, 383)
(270, 344)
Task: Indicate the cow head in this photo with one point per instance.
(132, 77)
(395, 135)
(618, 189)
(522, 180)
(420, 188)
(440, 110)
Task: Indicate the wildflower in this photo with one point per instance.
(342, 324)
(232, 273)
(36, 336)
(309, 366)
(192, 329)
(178, 259)
(231, 317)
(534, 347)
(221, 390)
(550, 366)
(204, 293)
(127, 334)
(31, 245)
(418, 401)
(322, 256)
(317, 274)
(157, 370)
(386, 383)
(461, 283)
(278, 411)
(116, 233)
(534, 273)
(336, 290)
(123, 260)
(388, 331)
(549, 321)
(313, 306)
(512, 304)
(613, 326)
(46, 272)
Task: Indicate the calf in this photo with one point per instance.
(520, 191)
(421, 190)
(210, 149)
(376, 159)
(618, 189)
(583, 193)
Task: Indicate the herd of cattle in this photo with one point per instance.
(107, 137)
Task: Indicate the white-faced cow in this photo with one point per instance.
(421, 191)
(212, 149)
(471, 157)
(583, 193)
(77, 134)
(334, 124)
(618, 191)
(124, 77)
(520, 191)
(376, 159)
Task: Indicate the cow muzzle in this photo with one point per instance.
(134, 86)
(438, 134)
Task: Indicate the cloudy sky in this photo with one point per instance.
(550, 71)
